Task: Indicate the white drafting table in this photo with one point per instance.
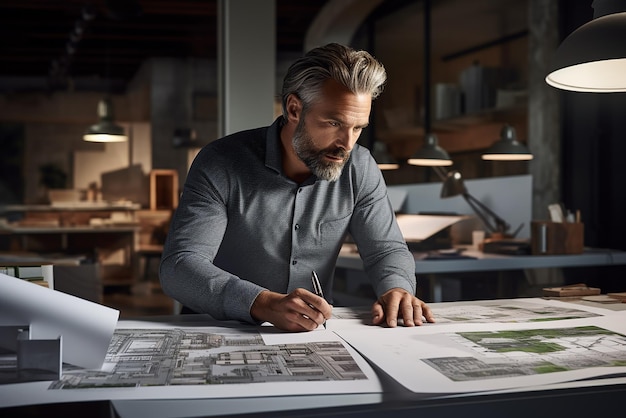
(574, 399)
(349, 259)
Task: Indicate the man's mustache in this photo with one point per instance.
(338, 152)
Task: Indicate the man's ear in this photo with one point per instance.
(294, 107)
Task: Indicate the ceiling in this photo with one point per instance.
(78, 43)
(64, 40)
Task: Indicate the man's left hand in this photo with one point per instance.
(398, 303)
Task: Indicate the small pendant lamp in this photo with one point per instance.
(105, 130)
(507, 148)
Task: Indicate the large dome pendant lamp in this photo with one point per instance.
(593, 57)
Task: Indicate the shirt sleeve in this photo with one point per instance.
(386, 257)
(187, 271)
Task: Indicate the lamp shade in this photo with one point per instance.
(593, 57)
(384, 160)
(507, 148)
(431, 154)
(105, 130)
(453, 185)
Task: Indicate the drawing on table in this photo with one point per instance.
(508, 353)
(517, 311)
(179, 356)
(508, 312)
(476, 354)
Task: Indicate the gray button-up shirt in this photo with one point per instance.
(242, 227)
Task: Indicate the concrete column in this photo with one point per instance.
(543, 106)
(169, 109)
(246, 64)
(544, 133)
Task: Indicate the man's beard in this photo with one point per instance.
(314, 158)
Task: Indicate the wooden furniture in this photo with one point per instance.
(163, 189)
(153, 227)
(103, 234)
(113, 248)
(69, 214)
(154, 223)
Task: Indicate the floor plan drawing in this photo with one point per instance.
(513, 311)
(512, 353)
(178, 356)
(479, 355)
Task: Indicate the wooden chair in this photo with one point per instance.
(153, 227)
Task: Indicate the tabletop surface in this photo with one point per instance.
(473, 260)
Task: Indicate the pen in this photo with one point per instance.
(317, 288)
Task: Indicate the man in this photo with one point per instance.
(262, 209)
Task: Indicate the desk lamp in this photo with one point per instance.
(453, 186)
(593, 57)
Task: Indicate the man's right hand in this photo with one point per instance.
(297, 311)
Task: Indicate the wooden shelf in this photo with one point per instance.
(163, 189)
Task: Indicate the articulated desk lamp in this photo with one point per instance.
(507, 148)
(453, 186)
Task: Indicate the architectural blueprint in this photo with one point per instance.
(474, 347)
(498, 354)
(177, 356)
(522, 310)
(480, 355)
(485, 311)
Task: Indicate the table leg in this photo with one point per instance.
(436, 288)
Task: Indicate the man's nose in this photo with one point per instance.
(348, 138)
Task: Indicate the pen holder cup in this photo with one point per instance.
(557, 237)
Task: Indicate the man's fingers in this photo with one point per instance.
(417, 313)
(391, 313)
(427, 313)
(322, 309)
(398, 303)
(406, 310)
(377, 313)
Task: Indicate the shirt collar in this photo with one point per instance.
(273, 148)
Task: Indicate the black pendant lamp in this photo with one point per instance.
(105, 130)
(507, 148)
(593, 57)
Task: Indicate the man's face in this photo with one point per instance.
(333, 125)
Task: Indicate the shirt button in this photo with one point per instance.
(296, 227)
(294, 262)
(300, 190)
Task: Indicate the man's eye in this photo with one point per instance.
(335, 124)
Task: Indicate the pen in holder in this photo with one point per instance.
(557, 237)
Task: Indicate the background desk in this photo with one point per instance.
(350, 259)
(111, 247)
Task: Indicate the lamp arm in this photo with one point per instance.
(441, 172)
(480, 209)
